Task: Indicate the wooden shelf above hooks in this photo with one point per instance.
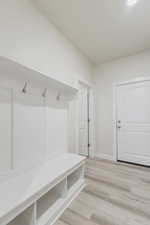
(23, 73)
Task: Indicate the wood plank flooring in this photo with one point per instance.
(116, 194)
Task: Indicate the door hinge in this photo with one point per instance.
(89, 120)
(89, 145)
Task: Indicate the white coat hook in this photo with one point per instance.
(44, 93)
(58, 97)
(24, 90)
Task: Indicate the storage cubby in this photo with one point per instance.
(49, 202)
(75, 177)
(55, 184)
(25, 218)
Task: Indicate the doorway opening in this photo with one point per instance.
(85, 120)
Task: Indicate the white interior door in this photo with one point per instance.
(83, 121)
(133, 122)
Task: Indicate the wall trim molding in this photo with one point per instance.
(104, 156)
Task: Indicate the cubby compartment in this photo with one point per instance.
(75, 177)
(48, 204)
(43, 201)
(25, 218)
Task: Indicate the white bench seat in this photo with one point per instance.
(21, 192)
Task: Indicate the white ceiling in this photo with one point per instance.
(101, 29)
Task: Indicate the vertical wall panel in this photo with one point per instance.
(29, 131)
(5, 129)
(56, 130)
(73, 126)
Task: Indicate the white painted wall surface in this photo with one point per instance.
(105, 75)
(28, 38)
(56, 130)
(28, 130)
(5, 129)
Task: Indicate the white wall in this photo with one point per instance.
(28, 38)
(105, 75)
(30, 129)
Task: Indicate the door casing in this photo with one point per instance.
(92, 118)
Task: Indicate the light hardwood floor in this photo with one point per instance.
(116, 194)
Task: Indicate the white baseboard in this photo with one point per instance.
(104, 156)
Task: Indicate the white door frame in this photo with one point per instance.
(92, 118)
(115, 86)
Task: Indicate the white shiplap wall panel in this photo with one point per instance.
(29, 117)
(56, 130)
(5, 129)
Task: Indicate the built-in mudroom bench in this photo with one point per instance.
(40, 196)
(40, 172)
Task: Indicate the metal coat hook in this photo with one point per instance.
(58, 97)
(44, 92)
(24, 90)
